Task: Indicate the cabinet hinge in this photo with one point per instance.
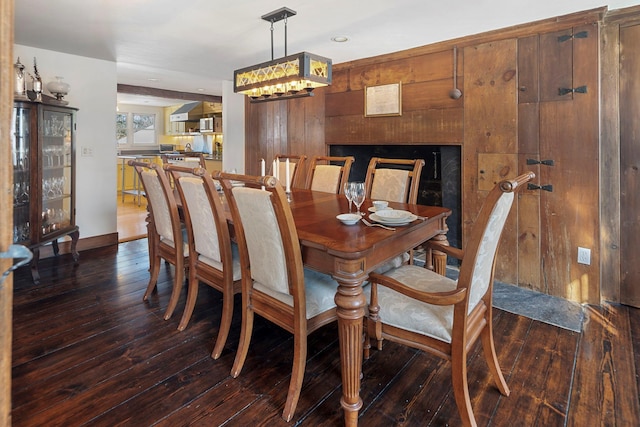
(547, 187)
(578, 35)
(579, 89)
(540, 162)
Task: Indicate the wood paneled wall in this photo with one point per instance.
(511, 112)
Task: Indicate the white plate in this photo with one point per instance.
(395, 215)
(386, 221)
(348, 219)
(373, 209)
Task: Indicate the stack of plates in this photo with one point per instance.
(393, 217)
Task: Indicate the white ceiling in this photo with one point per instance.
(193, 45)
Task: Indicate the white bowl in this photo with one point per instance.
(380, 204)
(349, 219)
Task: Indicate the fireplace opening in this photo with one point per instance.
(440, 180)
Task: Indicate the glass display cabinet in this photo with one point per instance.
(43, 158)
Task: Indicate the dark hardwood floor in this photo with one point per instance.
(88, 351)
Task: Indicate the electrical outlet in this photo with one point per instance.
(87, 152)
(584, 256)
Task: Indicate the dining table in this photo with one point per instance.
(349, 253)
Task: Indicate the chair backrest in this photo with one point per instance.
(477, 268)
(329, 174)
(267, 237)
(393, 180)
(296, 164)
(203, 215)
(161, 202)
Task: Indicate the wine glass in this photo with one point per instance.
(347, 193)
(358, 194)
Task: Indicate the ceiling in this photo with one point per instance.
(194, 45)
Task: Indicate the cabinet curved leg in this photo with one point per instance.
(75, 235)
(35, 275)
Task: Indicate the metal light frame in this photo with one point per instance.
(288, 77)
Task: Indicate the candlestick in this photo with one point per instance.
(286, 169)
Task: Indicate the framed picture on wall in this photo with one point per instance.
(383, 100)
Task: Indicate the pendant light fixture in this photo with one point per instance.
(288, 77)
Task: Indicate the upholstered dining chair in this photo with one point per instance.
(165, 232)
(275, 285)
(213, 259)
(328, 174)
(393, 180)
(419, 308)
(296, 168)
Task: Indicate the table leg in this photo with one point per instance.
(350, 303)
(436, 260)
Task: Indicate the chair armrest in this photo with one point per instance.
(435, 298)
(449, 250)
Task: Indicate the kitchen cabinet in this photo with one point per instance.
(43, 158)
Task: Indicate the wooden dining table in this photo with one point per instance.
(349, 253)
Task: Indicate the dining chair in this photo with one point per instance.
(165, 231)
(328, 173)
(275, 285)
(214, 257)
(419, 308)
(296, 163)
(393, 180)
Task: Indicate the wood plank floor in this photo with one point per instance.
(131, 218)
(88, 351)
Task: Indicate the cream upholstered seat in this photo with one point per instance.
(274, 283)
(214, 258)
(167, 238)
(419, 308)
(296, 166)
(328, 174)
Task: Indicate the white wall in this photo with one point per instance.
(233, 128)
(93, 91)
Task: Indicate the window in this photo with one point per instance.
(136, 129)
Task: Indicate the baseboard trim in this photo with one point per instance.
(83, 244)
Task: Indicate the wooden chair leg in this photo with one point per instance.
(178, 278)
(297, 375)
(245, 338)
(192, 296)
(461, 387)
(154, 270)
(225, 323)
(488, 347)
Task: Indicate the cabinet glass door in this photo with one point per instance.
(56, 159)
(21, 143)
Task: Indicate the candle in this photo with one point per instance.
(261, 167)
(278, 169)
(287, 176)
(273, 169)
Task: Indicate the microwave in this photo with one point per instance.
(206, 124)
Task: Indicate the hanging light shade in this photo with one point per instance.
(291, 76)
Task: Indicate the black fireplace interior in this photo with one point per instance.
(440, 182)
